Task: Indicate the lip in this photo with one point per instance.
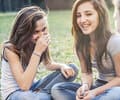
(85, 26)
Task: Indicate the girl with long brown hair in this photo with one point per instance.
(96, 47)
(26, 49)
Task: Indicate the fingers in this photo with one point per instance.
(44, 39)
(42, 43)
(68, 72)
(72, 72)
(79, 94)
(78, 98)
(65, 74)
(47, 38)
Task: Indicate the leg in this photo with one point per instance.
(56, 77)
(60, 78)
(29, 95)
(110, 94)
(64, 91)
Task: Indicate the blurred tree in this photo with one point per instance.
(9, 5)
(41, 3)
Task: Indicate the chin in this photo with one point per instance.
(86, 33)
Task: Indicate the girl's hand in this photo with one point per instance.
(67, 71)
(81, 92)
(42, 43)
(89, 95)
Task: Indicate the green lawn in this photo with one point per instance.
(61, 46)
(60, 30)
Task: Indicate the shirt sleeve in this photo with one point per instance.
(114, 45)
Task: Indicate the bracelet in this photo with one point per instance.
(39, 55)
(92, 95)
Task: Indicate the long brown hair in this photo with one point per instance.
(102, 33)
(22, 32)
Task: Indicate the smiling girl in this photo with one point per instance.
(26, 49)
(96, 47)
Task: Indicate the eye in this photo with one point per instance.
(78, 15)
(44, 29)
(88, 14)
(36, 32)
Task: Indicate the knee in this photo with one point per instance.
(75, 68)
(25, 96)
(18, 96)
(43, 96)
(56, 87)
(110, 94)
(114, 93)
(56, 91)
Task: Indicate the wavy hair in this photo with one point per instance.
(22, 32)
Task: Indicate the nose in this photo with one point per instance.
(83, 19)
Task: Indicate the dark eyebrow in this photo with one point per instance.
(37, 31)
(84, 11)
(88, 11)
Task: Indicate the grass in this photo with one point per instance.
(60, 30)
(61, 46)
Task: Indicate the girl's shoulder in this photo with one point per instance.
(113, 44)
(115, 38)
(7, 45)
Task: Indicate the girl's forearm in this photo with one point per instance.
(30, 72)
(112, 83)
(87, 79)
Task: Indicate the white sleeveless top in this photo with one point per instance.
(8, 83)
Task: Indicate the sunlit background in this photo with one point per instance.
(59, 18)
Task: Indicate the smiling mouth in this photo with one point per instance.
(85, 26)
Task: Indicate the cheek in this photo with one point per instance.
(34, 36)
(96, 22)
(78, 22)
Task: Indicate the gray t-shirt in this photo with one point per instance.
(113, 48)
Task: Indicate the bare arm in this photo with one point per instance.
(25, 78)
(85, 77)
(66, 70)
